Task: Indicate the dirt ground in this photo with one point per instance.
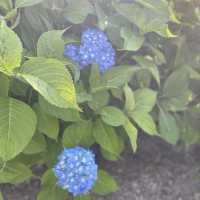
(157, 172)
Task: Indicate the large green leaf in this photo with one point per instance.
(129, 99)
(106, 137)
(79, 133)
(145, 99)
(149, 65)
(132, 134)
(176, 84)
(132, 41)
(77, 10)
(26, 3)
(50, 188)
(6, 4)
(51, 79)
(47, 124)
(15, 172)
(51, 44)
(114, 78)
(68, 115)
(10, 49)
(151, 15)
(105, 184)
(168, 128)
(4, 85)
(112, 116)
(144, 121)
(17, 126)
(37, 144)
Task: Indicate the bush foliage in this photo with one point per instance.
(48, 103)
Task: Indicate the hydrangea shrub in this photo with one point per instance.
(82, 79)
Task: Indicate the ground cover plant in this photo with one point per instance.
(80, 78)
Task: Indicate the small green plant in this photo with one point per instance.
(80, 74)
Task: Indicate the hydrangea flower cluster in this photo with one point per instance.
(76, 170)
(94, 48)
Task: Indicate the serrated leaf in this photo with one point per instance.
(50, 188)
(78, 134)
(51, 44)
(132, 40)
(15, 172)
(114, 78)
(68, 115)
(1, 196)
(51, 79)
(176, 84)
(168, 128)
(77, 10)
(129, 98)
(132, 134)
(150, 66)
(149, 15)
(145, 99)
(6, 4)
(37, 145)
(112, 116)
(4, 85)
(46, 124)
(144, 121)
(99, 100)
(105, 184)
(106, 137)
(10, 49)
(86, 197)
(17, 126)
(26, 3)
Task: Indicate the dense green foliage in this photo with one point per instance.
(47, 103)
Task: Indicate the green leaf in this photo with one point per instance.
(51, 44)
(18, 124)
(145, 99)
(53, 150)
(132, 40)
(6, 4)
(99, 100)
(79, 133)
(46, 124)
(10, 49)
(149, 65)
(129, 98)
(177, 83)
(51, 79)
(77, 10)
(132, 134)
(50, 188)
(113, 157)
(114, 78)
(168, 128)
(106, 137)
(37, 145)
(105, 184)
(4, 85)
(15, 172)
(112, 116)
(144, 121)
(1, 196)
(86, 197)
(148, 15)
(68, 115)
(26, 3)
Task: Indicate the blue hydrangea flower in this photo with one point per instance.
(72, 51)
(76, 170)
(94, 48)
